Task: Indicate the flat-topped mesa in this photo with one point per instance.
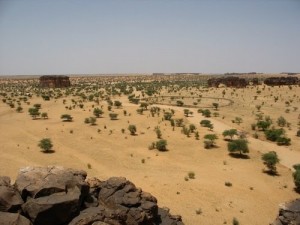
(228, 82)
(277, 81)
(54, 81)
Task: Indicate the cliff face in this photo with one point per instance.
(56, 196)
(55, 81)
(277, 81)
(228, 81)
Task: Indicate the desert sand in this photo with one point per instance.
(104, 150)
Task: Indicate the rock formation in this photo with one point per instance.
(57, 196)
(228, 82)
(277, 81)
(289, 213)
(55, 81)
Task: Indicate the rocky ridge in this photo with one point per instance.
(57, 196)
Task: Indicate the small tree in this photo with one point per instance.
(161, 145)
(281, 121)
(168, 116)
(97, 112)
(158, 132)
(192, 128)
(238, 120)
(144, 105)
(66, 117)
(19, 109)
(34, 112)
(229, 133)
(132, 129)
(270, 160)
(93, 120)
(44, 115)
(179, 122)
(206, 113)
(187, 112)
(209, 140)
(263, 125)
(45, 144)
(215, 105)
(118, 104)
(179, 103)
(296, 176)
(113, 116)
(239, 145)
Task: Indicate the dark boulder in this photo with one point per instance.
(289, 213)
(101, 215)
(53, 195)
(37, 182)
(119, 193)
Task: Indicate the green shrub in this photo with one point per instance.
(161, 145)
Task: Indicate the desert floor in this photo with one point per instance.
(253, 197)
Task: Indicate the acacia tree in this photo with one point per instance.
(161, 145)
(209, 140)
(34, 112)
(97, 112)
(229, 133)
(66, 117)
(113, 116)
(132, 129)
(270, 160)
(158, 132)
(118, 104)
(239, 145)
(45, 144)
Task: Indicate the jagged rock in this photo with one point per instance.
(57, 196)
(55, 81)
(53, 195)
(228, 82)
(166, 219)
(37, 182)
(119, 193)
(10, 199)
(277, 81)
(13, 219)
(100, 215)
(289, 213)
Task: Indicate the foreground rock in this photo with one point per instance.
(10, 199)
(289, 214)
(57, 196)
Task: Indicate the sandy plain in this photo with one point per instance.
(253, 197)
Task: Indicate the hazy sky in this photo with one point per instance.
(145, 36)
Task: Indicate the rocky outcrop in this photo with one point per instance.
(277, 81)
(228, 82)
(289, 213)
(10, 199)
(57, 196)
(54, 81)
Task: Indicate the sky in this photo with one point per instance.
(144, 36)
